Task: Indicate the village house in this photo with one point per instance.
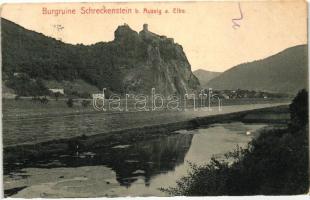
(59, 90)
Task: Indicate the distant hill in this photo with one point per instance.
(284, 72)
(132, 63)
(205, 76)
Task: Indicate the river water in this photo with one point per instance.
(128, 170)
(39, 129)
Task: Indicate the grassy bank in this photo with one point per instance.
(25, 108)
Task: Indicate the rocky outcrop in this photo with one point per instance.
(164, 65)
(132, 63)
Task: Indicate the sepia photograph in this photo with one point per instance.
(155, 99)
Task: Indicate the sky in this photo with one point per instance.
(204, 29)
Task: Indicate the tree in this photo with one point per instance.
(57, 95)
(70, 102)
(85, 103)
(17, 97)
(40, 88)
(299, 109)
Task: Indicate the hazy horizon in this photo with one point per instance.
(211, 44)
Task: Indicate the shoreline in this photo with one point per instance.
(27, 110)
(142, 120)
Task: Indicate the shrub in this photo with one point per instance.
(57, 95)
(85, 103)
(17, 97)
(70, 102)
(44, 100)
(274, 163)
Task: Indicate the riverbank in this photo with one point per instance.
(19, 155)
(25, 108)
(276, 162)
(32, 130)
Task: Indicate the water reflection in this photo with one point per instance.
(129, 169)
(143, 159)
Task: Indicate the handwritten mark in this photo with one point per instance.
(59, 27)
(234, 21)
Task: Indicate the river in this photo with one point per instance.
(128, 170)
(39, 129)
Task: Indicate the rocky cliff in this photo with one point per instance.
(132, 63)
(147, 60)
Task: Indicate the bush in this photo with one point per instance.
(17, 97)
(70, 102)
(85, 103)
(44, 100)
(275, 163)
(57, 95)
(74, 93)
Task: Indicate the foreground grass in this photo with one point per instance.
(275, 163)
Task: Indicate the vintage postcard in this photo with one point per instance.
(154, 99)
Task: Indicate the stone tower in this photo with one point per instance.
(145, 27)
